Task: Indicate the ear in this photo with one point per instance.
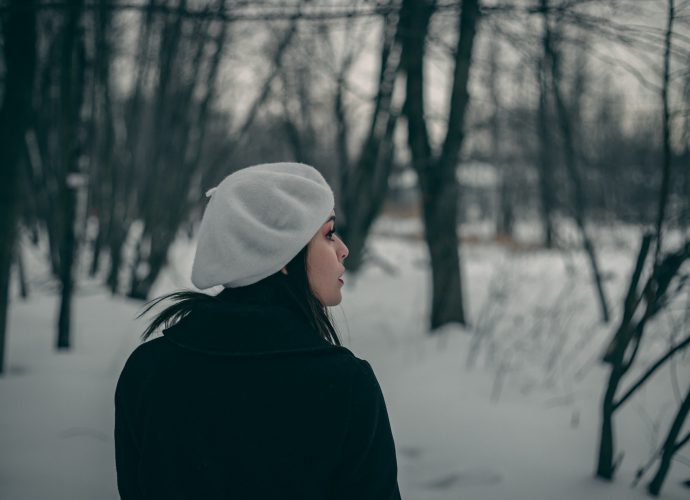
(284, 271)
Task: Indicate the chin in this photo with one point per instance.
(333, 301)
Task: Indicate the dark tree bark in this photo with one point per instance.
(116, 240)
(640, 306)
(545, 163)
(671, 446)
(437, 180)
(21, 273)
(504, 209)
(19, 45)
(71, 97)
(605, 462)
(43, 143)
(341, 140)
(102, 190)
(666, 124)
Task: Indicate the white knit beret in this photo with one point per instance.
(257, 220)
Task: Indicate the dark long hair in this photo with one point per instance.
(291, 290)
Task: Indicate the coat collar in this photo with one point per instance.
(245, 329)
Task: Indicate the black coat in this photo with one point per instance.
(248, 402)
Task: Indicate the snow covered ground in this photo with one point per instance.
(508, 408)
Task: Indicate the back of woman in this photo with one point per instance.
(248, 394)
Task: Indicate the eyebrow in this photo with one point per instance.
(331, 218)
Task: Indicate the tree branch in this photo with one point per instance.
(650, 371)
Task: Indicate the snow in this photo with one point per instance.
(520, 421)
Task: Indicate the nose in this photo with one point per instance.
(344, 251)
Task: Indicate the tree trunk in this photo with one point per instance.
(506, 212)
(343, 155)
(605, 466)
(545, 162)
(103, 121)
(504, 207)
(621, 354)
(117, 239)
(19, 46)
(666, 123)
(71, 94)
(440, 219)
(21, 273)
(97, 248)
(437, 178)
(160, 241)
(616, 357)
(671, 446)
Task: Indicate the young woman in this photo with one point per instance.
(248, 393)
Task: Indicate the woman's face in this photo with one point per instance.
(325, 255)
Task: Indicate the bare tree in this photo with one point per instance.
(54, 145)
(102, 131)
(641, 305)
(42, 158)
(672, 443)
(122, 181)
(72, 71)
(568, 133)
(179, 121)
(19, 50)
(504, 214)
(546, 157)
(364, 180)
(436, 172)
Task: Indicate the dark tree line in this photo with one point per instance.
(19, 51)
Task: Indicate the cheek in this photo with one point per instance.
(320, 259)
(322, 265)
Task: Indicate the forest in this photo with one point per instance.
(526, 125)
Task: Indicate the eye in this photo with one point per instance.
(330, 234)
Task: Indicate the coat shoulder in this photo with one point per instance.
(352, 363)
(146, 352)
(141, 360)
(363, 381)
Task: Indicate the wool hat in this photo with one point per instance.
(257, 220)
